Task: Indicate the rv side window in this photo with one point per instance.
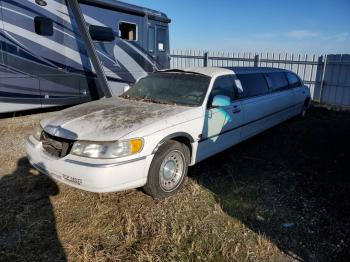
(101, 33)
(294, 80)
(43, 26)
(151, 39)
(161, 40)
(128, 31)
(253, 84)
(277, 81)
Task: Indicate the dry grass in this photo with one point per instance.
(282, 196)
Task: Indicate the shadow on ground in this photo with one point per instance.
(290, 184)
(27, 222)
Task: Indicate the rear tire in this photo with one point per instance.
(304, 109)
(168, 170)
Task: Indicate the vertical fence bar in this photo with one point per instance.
(205, 59)
(305, 64)
(256, 60)
(322, 79)
(298, 64)
(312, 71)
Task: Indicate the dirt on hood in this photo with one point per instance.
(107, 119)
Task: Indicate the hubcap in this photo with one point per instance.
(172, 171)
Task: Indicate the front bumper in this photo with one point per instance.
(90, 174)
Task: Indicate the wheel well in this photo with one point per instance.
(184, 140)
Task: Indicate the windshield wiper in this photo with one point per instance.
(144, 99)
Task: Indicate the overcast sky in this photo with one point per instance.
(300, 26)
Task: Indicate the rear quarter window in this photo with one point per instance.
(293, 80)
(253, 84)
(277, 81)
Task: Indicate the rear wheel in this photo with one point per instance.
(168, 170)
(304, 109)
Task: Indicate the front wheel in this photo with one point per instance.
(168, 170)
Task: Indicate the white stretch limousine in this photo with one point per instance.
(165, 122)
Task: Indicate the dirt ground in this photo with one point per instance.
(280, 196)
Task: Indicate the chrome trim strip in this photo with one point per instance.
(103, 165)
(30, 142)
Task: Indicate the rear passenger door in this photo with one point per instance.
(282, 96)
(222, 127)
(257, 104)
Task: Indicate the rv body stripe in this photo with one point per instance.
(17, 95)
(134, 68)
(13, 40)
(143, 52)
(53, 46)
(45, 42)
(43, 12)
(28, 89)
(149, 65)
(137, 57)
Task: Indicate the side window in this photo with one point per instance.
(101, 33)
(277, 81)
(253, 84)
(43, 26)
(151, 39)
(161, 40)
(128, 31)
(224, 86)
(293, 80)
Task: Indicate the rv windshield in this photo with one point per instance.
(170, 88)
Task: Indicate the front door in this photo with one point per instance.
(222, 124)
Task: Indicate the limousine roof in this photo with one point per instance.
(250, 70)
(215, 71)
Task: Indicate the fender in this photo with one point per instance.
(169, 137)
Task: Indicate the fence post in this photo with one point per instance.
(323, 75)
(256, 60)
(206, 59)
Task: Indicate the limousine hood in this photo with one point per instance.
(107, 119)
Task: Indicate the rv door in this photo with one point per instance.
(158, 43)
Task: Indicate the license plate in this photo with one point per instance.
(73, 180)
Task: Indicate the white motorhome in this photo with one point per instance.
(167, 121)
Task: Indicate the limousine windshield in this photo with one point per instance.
(171, 88)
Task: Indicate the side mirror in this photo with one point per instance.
(220, 101)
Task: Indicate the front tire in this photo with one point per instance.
(168, 170)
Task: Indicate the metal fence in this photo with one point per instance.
(328, 76)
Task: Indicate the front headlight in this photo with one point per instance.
(107, 149)
(37, 132)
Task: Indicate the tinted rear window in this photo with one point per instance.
(294, 80)
(277, 81)
(253, 84)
